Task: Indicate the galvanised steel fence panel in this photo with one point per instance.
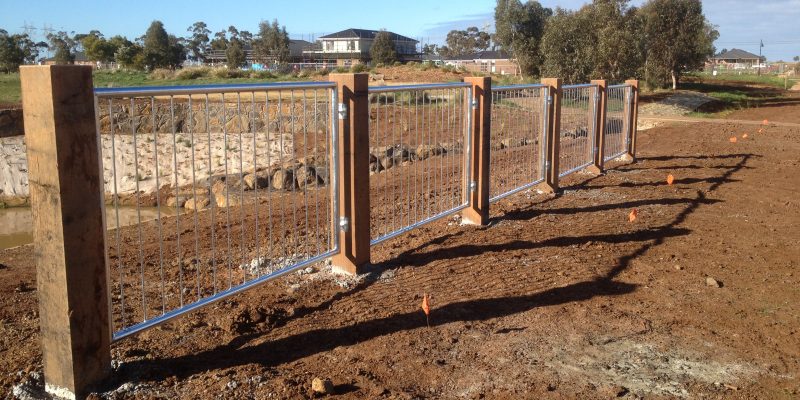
(518, 139)
(617, 129)
(578, 119)
(419, 143)
(228, 186)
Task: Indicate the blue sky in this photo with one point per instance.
(742, 23)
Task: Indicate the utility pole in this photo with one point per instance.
(759, 56)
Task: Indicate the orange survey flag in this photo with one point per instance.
(744, 136)
(632, 215)
(733, 139)
(765, 122)
(426, 308)
(760, 130)
(670, 179)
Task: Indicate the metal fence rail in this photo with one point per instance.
(617, 129)
(578, 110)
(518, 139)
(237, 179)
(418, 138)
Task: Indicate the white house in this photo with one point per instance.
(351, 46)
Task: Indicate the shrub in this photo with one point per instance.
(358, 68)
(262, 75)
(161, 73)
(193, 73)
(397, 63)
(341, 70)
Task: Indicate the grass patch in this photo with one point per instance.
(10, 91)
(9, 88)
(767, 80)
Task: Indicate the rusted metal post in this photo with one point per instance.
(633, 118)
(478, 194)
(550, 184)
(354, 208)
(66, 191)
(600, 125)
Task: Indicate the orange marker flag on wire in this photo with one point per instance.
(426, 308)
(760, 130)
(765, 122)
(733, 139)
(632, 215)
(744, 136)
(670, 179)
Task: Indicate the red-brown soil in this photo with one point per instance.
(556, 298)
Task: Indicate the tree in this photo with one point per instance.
(97, 48)
(466, 42)
(220, 41)
(63, 46)
(197, 43)
(519, 29)
(678, 39)
(234, 54)
(131, 55)
(796, 58)
(16, 50)
(430, 49)
(567, 46)
(271, 43)
(160, 49)
(383, 50)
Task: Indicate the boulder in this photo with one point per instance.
(386, 162)
(200, 204)
(306, 177)
(256, 180)
(283, 179)
(428, 150)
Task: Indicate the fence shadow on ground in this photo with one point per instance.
(291, 348)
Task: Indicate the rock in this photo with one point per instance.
(375, 167)
(200, 204)
(231, 199)
(381, 151)
(428, 150)
(283, 179)
(323, 174)
(306, 177)
(679, 268)
(386, 162)
(509, 142)
(713, 282)
(322, 386)
(256, 180)
(177, 201)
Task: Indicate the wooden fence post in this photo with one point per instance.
(478, 210)
(550, 183)
(66, 190)
(354, 208)
(600, 126)
(633, 105)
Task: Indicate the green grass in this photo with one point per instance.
(9, 88)
(768, 80)
(10, 85)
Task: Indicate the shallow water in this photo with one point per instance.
(16, 223)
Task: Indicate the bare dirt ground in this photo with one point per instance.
(556, 298)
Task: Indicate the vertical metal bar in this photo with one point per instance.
(177, 191)
(138, 211)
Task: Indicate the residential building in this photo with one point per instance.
(737, 59)
(351, 46)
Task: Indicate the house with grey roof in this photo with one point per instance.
(736, 58)
(351, 46)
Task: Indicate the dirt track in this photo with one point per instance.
(556, 298)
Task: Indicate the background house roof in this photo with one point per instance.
(365, 34)
(737, 54)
